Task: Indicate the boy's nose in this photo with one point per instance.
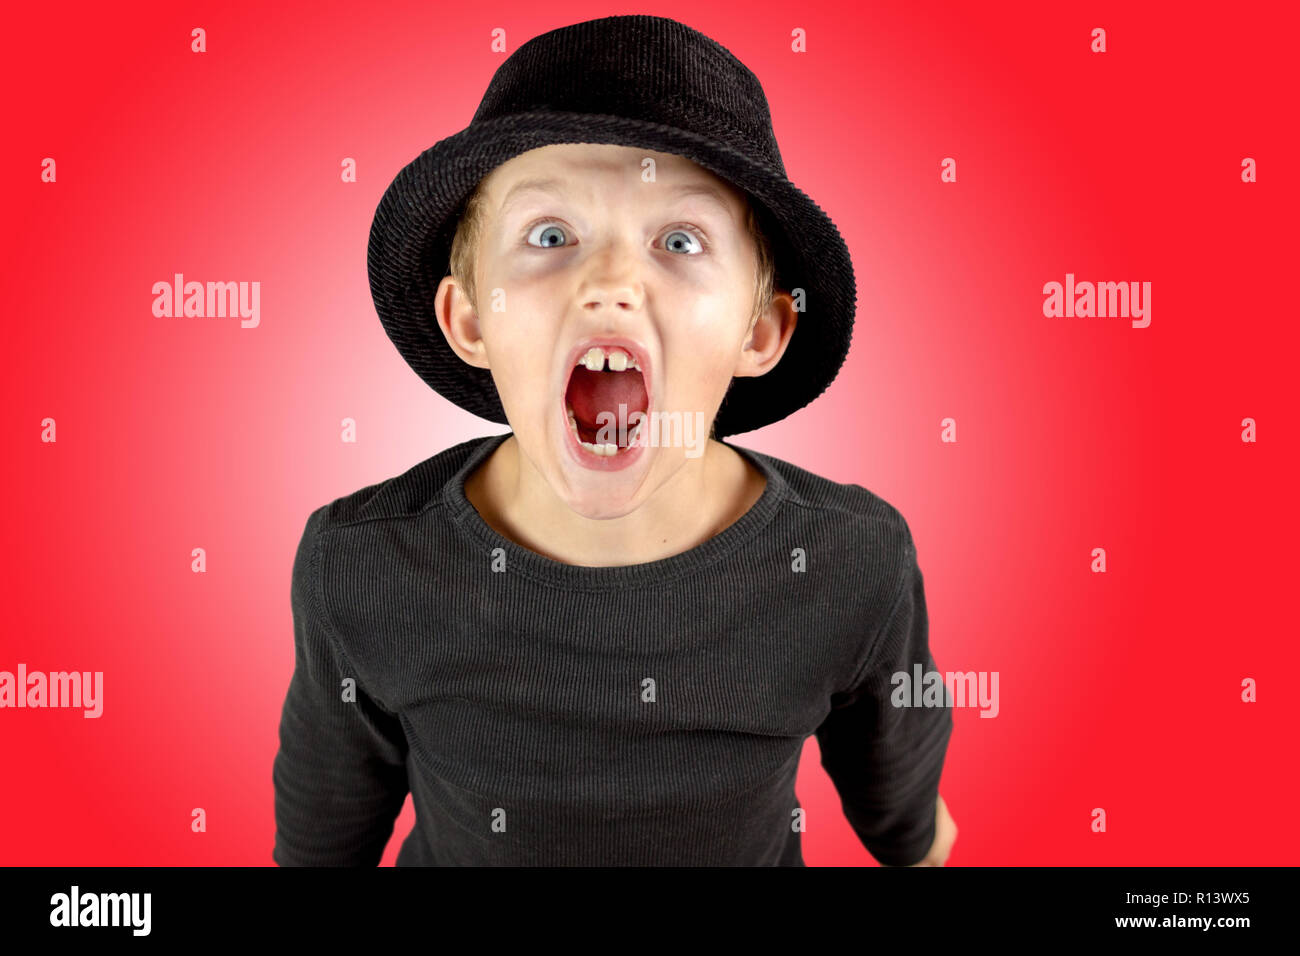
(613, 278)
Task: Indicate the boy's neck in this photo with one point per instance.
(705, 496)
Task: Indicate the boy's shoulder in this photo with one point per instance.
(826, 501)
(405, 495)
(860, 542)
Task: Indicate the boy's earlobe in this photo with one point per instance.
(459, 322)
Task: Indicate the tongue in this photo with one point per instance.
(591, 393)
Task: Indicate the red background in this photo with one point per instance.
(1118, 690)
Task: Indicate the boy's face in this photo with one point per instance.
(667, 265)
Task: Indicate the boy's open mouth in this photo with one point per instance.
(604, 378)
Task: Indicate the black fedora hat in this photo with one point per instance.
(643, 81)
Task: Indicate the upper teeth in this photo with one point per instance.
(594, 360)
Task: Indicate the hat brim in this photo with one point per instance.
(410, 247)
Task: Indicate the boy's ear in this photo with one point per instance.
(769, 335)
(458, 320)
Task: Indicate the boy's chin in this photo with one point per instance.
(591, 487)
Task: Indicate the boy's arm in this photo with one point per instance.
(340, 774)
(885, 761)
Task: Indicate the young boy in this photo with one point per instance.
(603, 638)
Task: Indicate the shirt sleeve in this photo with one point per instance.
(886, 760)
(340, 773)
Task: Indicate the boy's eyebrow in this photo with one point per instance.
(560, 188)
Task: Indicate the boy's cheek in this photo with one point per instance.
(524, 387)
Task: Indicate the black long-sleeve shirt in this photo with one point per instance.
(542, 713)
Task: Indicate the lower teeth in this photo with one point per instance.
(607, 448)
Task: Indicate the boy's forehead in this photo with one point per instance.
(577, 163)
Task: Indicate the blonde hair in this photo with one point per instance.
(469, 233)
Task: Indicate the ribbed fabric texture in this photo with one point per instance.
(642, 715)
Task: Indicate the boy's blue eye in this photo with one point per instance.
(675, 245)
(549, 228)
